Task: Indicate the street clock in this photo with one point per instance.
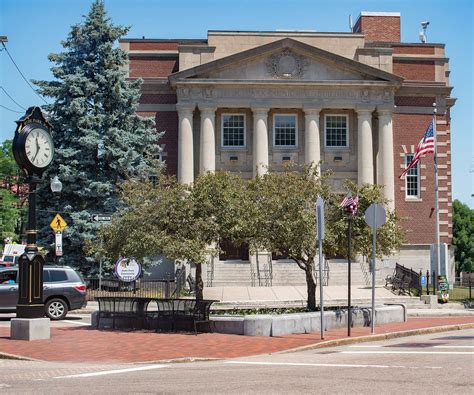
(33, 146)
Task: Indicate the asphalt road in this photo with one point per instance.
(436, 363)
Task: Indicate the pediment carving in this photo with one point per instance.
(286, 65)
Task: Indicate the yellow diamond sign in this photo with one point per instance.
(58, 224)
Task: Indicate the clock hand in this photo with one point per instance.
(37, 149)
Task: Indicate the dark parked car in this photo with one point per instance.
(63, 291)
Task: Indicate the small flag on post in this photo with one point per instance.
(349, 204)
(425, 146)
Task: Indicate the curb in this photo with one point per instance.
(383, 336)
(4, 355)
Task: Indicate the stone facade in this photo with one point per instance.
(383, 88)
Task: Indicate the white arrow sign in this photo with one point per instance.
(101, 218)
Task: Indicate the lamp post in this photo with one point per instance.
(56, 187)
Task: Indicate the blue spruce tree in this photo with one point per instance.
(100, 140)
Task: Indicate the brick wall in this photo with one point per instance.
(379, 28)
(167, 121)
(420, 101)
(152, 67)
(151, 45)
(419, 70)
(418, 218)
(416, 50)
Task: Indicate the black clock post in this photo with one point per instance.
(33, 150)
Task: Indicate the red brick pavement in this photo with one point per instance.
(88, 345)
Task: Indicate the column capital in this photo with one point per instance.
(207, 108)
(185, 108)
(260, 110)
(311, 110)
(364, 111)
(384, 112)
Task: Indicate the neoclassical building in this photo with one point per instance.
(358, 101)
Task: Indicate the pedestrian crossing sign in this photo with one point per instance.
(58, 224)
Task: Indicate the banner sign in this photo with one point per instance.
(59, 244)
(443, 287)
(127, 269)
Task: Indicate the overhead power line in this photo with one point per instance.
(26, 80)
(11, 98)
(9, 109)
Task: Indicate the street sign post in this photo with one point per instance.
(320, 229)
(375, 217)
(103, 219)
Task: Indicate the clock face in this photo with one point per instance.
(39, 147)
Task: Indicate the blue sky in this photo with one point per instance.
(36, 28)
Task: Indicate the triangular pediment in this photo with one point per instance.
(285, 59)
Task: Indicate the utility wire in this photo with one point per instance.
(36, 93)
(9, 109)
(11, 98)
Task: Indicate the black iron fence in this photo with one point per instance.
(143, 288)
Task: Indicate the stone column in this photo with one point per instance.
(312, 145)
(185, 145)
(386, 156)
(365, 154)
(207, 150)
(260, 141)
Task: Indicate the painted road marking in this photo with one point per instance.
(106, 372)
(410, 352)
(76, 322)
(366, 345)
(329, 365)
(453, 347)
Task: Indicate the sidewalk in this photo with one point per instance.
(82, 344)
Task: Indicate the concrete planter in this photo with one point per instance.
(287, 324)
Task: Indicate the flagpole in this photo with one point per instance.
(438, 254)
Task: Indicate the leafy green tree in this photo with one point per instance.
(463, 236)
(390, 237)
(10, 201)
(182, 222)
(100, 140)
(281, 217)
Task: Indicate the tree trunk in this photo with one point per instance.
(199, 284)
(310, 286)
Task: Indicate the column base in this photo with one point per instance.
(30, 329)
(30, 311)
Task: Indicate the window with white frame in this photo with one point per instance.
(412, 179)
(285, 129)
(233, 130)
(336, 130)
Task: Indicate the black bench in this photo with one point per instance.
(127, 309)
(398, 281)
(136, 312)
(180, 313)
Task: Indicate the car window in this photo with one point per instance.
(8, 277)
(46, 278)
(57, 275)
(74, 276)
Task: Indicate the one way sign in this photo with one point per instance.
(101, 218)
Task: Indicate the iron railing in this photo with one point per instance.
(140, 287)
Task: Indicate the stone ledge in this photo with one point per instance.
(287, 324)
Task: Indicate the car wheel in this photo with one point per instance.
(56, 309)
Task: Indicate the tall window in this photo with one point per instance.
(412, 179)
(337, 130)
(233, 130)
(285, 130)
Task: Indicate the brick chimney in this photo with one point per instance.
(379, 26)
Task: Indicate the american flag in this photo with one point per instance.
(349, 204)
(425, 146)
